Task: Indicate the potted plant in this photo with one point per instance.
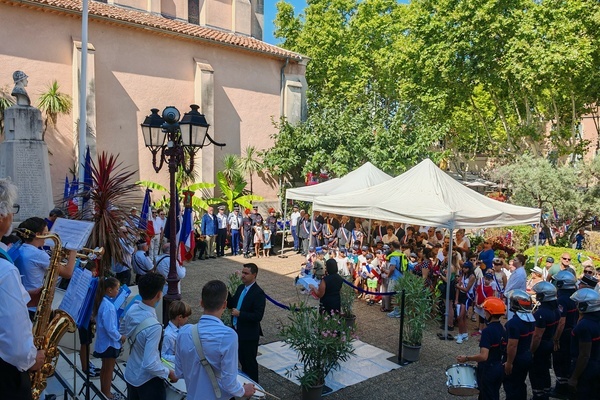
(347, 297)
(418, 306)
(322, 342)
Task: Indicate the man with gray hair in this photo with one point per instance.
(18, 354)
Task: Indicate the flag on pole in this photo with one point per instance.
(186, 237)
(145, 223)
(555, 213)
(73, 205)
(87, 176)
(66, 191)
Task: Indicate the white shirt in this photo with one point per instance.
(517, 280)
(107, 327)
(33, 264)
(162, 268)
(221, 221)
(16, 337)
(144, 361)
(141, 263)
(220, 346)
(294, 218)
(159, 225)
(169, 342)
(234, 221)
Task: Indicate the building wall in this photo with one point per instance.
(136, 70)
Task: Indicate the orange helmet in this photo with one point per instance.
(494, 306)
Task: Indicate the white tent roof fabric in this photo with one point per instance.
(426, 195)
(363, 177)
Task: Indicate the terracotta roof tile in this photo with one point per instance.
(144, 19)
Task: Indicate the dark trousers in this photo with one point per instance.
(247, 352)
(514, 384)
(200, 249)
(489, 380)
(294, 230)
(154, 389)
(539, 374)
(561, 360)
(124, 277)
(221, 237)
(235, 241)
(588, 385)
(248, 242)
(14, 384)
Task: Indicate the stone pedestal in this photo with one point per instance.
(24, 158)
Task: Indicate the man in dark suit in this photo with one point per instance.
(248, 308)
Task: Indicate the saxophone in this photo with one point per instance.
(48, 326)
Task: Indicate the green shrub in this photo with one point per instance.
(556, 252)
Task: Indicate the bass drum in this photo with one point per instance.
(462, 380)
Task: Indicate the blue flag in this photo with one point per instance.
(146, 211)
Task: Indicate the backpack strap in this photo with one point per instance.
(204, 361)
(147, 323)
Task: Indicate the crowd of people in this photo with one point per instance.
(552, 314)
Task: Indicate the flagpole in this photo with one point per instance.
(83, 94)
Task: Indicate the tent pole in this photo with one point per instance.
(448, 275)
(537, 243)
(283, 235)
(369, 234)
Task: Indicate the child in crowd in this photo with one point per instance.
(373, 274)
(266, 241)
(179, 312)
(145, 373)
(486, 288)
(258, 238)
(319, 264)
(108, 339)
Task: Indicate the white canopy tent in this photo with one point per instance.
(426, 195)
(363, 177)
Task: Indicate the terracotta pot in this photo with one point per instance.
(312, 392)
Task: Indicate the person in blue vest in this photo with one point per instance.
(547, 317)
(209, 229)
(519, 332)
(585, 346)
(566, 285)
(396, 268)
(491, 347)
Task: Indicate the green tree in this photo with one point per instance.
(54, 103)
(234, 193)
(573, 191)
(250, 163)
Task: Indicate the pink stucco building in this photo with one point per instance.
(154, 53)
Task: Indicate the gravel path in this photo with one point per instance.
(424, 379)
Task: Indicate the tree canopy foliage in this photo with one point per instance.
(393, 83)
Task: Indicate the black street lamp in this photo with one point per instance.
(173, 139)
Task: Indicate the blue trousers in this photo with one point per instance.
(296, 239)
(489, 380)
(514, 384)
(539, 374)
(235, 241)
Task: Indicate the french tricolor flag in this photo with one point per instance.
(186, 237)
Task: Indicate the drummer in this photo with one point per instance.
(218, 378)
(489, 366)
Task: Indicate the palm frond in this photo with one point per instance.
(152, 185)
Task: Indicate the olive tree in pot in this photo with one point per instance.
(418, 306)
(322, 342)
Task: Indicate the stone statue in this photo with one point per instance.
(19, 90)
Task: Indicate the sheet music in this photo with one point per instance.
(307, 282)
(76, 293)
(73, 233)
(121, 299)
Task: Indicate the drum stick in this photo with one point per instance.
(267, 393)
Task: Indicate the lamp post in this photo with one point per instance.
(177, 143)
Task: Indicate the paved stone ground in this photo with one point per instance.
(424, 379)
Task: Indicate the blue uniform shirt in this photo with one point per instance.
(522, 331)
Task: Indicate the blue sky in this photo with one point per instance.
(271, 11)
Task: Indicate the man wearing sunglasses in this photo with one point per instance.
(564, 265)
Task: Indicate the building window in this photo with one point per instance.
(194, 12)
